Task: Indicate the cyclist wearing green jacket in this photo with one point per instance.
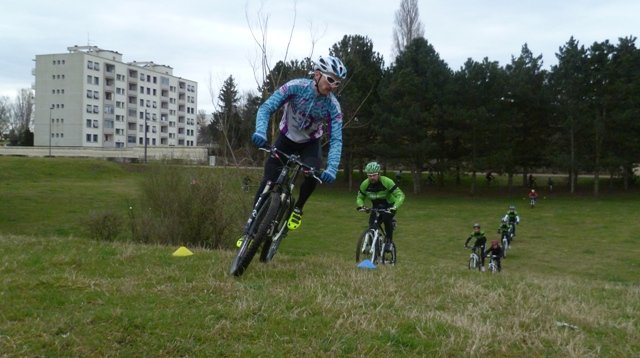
(480, 241)
(383, 193)
(504, 229)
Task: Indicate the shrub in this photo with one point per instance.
(104, 226)
(189, 206)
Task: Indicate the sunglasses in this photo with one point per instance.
(332, 81)
(372, 175)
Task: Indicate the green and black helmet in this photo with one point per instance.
(372, 168)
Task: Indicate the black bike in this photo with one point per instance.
(374, 242)
(267, 224)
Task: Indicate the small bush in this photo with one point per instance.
(189, 206)
(104, 226)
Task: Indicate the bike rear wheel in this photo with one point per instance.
(363, 246)
(389, 256)
(258, 232)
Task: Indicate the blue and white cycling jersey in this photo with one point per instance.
(307, 115)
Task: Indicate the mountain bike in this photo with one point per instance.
(493, 264)
(506, 241)
(474, 258)
(374, 243)
(512, 231)
(267, 223)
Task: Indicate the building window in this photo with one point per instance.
(89, 108)
(88, 121)
(90, 65)
(89, 79)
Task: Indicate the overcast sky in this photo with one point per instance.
(208, 40)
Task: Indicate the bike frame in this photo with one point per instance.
(376, 250)
(275, 230)
(493, 266)
(474, 259)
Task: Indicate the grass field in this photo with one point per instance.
(569, 288)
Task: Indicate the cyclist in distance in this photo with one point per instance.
(495, 250)
(479, 243)
(512, 217)
(310, 110)
(533, 196)
(383, 193)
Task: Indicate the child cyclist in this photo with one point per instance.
(495, 250)
(504, 230)
(384, 194)
(512, 218)
(479, 243)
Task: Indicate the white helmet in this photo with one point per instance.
(330, 65)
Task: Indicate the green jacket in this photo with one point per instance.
(480, 238)
(384, 193)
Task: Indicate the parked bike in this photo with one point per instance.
(267, 223)
(373, 242)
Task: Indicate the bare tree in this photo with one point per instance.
(407, 25)
(23, 110)
(5, 116)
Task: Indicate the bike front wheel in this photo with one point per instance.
(505, 246)
(473, 262)
(258, 233)
(363, 248)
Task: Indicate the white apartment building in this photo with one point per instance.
(88, 97)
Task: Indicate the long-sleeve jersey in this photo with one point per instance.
(497, 251)
(512, 217)
(307, 114)
(480, 239)
(384, 193)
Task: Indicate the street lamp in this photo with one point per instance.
(146, 129)
(50, 120)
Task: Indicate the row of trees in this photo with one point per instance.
(580, 116)
(15, 118)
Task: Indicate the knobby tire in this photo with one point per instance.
(368, 236)
(257, 234)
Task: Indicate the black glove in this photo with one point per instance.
(393, 210)
(361, 208)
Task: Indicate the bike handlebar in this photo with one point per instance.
(368, 210)
(277, 153)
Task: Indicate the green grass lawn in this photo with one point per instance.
(569, 287)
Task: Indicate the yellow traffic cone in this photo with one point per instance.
(182, 251)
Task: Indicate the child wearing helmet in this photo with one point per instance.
(480, 241)
(504, 229)
(383, 193)
(496, 251)
(533, 196)
(512, 218)
(310, 109)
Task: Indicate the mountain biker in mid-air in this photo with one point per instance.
(384, 194)
(310, 110)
